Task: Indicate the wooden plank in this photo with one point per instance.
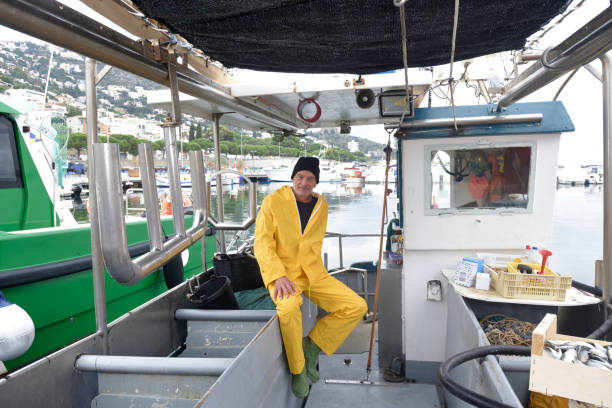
(135, 25)
(545, 330)
(555, 377)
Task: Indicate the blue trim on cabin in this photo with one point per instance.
(555, 120)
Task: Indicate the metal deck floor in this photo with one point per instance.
(383, 394)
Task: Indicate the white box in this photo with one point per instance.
(483, 281)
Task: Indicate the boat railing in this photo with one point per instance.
(113, 233)
(128, 193)
(342, 269)
(221, 224)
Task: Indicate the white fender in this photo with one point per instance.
(16, 330)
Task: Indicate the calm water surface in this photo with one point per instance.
(577, 222)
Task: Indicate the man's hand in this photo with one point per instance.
(283, 287)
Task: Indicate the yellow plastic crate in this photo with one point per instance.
(512, 284)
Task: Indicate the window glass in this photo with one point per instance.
(483, 178)
(9, 175)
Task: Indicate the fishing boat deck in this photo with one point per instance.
(349, 364)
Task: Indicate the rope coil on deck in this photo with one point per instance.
(504, 330)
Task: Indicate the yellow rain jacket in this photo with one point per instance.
(280, 247)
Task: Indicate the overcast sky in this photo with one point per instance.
(582, 97)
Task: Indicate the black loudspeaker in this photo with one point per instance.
(365, 98)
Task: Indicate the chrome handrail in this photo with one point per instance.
(224, 226)
(127, 201)
(341, 269)
(341, 235)
(113, 235)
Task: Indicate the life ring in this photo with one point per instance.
(174, 272)
(301, 106)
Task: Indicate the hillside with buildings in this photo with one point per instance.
(123, 109)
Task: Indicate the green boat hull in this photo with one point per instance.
(62, 308)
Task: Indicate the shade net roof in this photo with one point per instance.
(348, 36)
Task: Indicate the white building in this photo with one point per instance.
(26, 95)
(353, 146)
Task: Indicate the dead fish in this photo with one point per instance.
(583, 356)
(556, 354)
(567, 344)
(597, 364)
(603, 361)
(557, 343)
(569, 356)
(597, 352)
(583, 344)
(600, 348)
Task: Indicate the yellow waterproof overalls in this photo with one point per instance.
(282, 250)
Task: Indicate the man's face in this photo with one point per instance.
(303, 184)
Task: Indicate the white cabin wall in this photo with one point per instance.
(434, 242)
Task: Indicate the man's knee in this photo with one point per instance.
(361, 307)
(289, 306)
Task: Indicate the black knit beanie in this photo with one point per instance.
(307, 163)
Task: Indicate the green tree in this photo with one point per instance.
(314, 148)
(198, 132)
(256, 149)
(78, 141)
(192, 131)
(229, 147)
(204, 144)
(73, 111)
(128, 143)
(290, 152)
(159, 145)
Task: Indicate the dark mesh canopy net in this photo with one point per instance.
(350, 36)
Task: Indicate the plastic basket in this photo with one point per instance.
(497, 259)
(512, 284)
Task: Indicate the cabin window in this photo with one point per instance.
(487, 179)
(10, 175)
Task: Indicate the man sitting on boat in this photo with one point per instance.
(288, 239)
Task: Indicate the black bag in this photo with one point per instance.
(242, 270)
(215, 293)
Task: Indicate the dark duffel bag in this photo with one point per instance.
(242, 270)
(215, 293)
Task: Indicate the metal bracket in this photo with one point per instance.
(174, 92)
(100, 76)
(359, 81)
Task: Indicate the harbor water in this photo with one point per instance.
(577, 235)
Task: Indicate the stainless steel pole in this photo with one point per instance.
(174, 179)
(607, 147)
(149, 190)
(97, 264)
(586, 44)
(219, 180)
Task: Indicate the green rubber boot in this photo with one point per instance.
(299, 384)
(311, 352)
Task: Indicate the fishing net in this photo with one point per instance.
(504, 330)
(351, 36)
